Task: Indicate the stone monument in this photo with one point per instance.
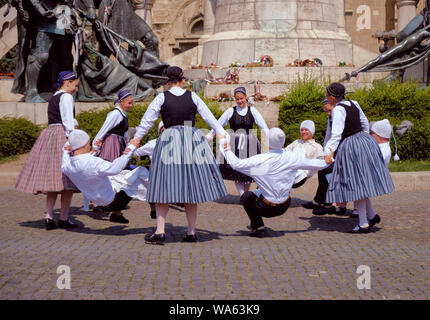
(287, 30)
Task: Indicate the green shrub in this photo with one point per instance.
(393, 101)
(17, 135)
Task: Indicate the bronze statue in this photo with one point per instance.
(46, 33)
(413, 47)
(119, 16)
(48, 26)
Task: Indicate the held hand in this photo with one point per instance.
(98, 143)
(221, 136)
(126, 151)
(135, 142)
(226, 146)
(329, 158)
(68, 148)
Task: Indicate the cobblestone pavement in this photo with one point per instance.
(303, 257)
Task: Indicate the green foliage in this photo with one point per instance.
(393, 101)
(17, 135)
(303, 102)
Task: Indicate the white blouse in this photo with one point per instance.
(113, 118)
(339, 115)
(153, 112)
(226, 116)
(66, 106)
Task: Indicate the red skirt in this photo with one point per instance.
(41, 172)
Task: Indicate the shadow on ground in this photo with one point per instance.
(235, 199)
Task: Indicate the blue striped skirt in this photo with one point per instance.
(359, 171)
(183, 169)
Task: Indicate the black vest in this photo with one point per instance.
(54, 115)
(352, 120)
(241, 122)
(121, 128)
(178, 109)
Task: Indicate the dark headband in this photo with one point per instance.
(336, 90)
(122, 95)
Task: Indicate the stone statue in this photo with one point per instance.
(119, 16)
(46, 34)
(48, 26)
(413, 47)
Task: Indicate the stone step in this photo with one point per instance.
(268, 90)
(38, 112)
(288, 74)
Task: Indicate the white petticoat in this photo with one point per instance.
(133, 182)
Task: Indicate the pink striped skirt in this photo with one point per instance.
(113, 146)
(41, 172)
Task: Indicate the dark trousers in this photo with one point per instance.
(256, 208)
(119, 202)
(322, 184)
(299, 184)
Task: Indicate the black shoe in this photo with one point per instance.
(259, 233)
(360, 230)
(324, 210)
(118, 218)
(376, 219)
(190, 238)
(155, 238)
(153, 214)
(310, 205)
(341, 211)
(66, 224)
(99, 210)
(50, 224)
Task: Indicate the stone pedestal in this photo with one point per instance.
(286, 30)
(407, 11)
(143, 10)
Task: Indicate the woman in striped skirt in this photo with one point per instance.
(41, 172)
(359, 172)
(183, 168)
(113, 134)
(244, 143)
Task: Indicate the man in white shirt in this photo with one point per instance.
(274, 173)
(306, 147)
(381, 131)
(90, 174)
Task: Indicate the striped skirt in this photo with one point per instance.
(183, 169)
(113, 146)
(41, 172)
(359, 171)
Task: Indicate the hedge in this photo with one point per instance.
(394, 101)
(17, 135)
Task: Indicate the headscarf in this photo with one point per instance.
(64, 76)
(240, 90)
(308, 124)
(276, 138)
(122, 95)
(336, 90)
